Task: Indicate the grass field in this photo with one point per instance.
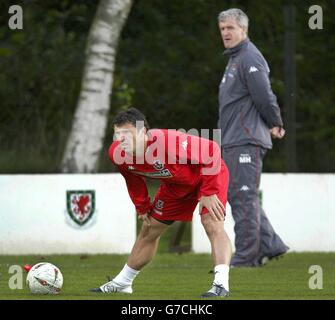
(180, 276)
(172, 276)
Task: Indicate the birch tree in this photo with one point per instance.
(87, 134)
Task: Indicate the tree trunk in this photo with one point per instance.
(90, 120)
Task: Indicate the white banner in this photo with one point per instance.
(57, 214)
(300, 207)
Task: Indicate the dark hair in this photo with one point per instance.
(130, 115)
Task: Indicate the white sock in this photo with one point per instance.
(221, 272)
(126, 276)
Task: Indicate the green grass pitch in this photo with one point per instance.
(179, 276)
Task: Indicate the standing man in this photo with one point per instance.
(248, 116)
(191, 170)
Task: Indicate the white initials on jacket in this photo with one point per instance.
(245, 158)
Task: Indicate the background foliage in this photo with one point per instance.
(169, 65)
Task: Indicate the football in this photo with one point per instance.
(44, 278)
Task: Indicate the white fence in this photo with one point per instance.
(45, 214)
(39, 214)
(300, 207)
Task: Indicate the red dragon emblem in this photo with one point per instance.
(80, 205)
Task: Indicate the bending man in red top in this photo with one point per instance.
(191, 171)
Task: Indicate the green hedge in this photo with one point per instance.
(169, 65)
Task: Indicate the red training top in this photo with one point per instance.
(183, 161)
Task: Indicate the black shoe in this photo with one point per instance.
(278, 256)
(265, 259)
(98, 290)
(95, 290)
(216, 291)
